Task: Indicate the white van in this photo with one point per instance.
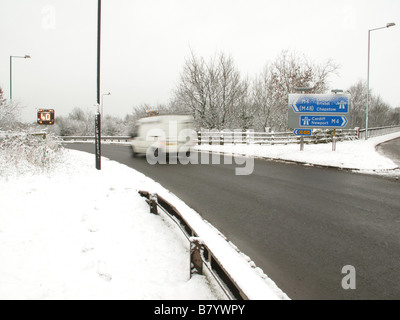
(169, 134)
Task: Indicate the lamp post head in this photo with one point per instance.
(27, 56)
(391, 24)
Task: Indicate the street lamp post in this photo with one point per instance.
(24, 57)
(388, 25)
(98, 116)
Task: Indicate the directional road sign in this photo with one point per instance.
(323, 121)
(324, 111)
(319, 103)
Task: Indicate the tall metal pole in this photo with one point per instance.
(98, 118)
(98, 50)
(367, 108)
(388, 25)
(24, 57)
(10, 78)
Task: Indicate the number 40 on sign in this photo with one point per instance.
(45, 116)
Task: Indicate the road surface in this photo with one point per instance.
(391, 149)
(300, 224)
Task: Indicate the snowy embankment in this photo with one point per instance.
(73, 232)
(77, 233)
(359, 155)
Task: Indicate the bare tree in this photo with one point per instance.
(262, 96)
(9, 113)
(358, 94)
(379, 113)
(280, 78)
(78, 122)
(394, 117)
(191, 91)
(212, 91)
(218, 97)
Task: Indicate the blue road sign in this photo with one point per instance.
(323, 121)
(319, 103)
(302, 132)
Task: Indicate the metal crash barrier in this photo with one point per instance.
(200, 255)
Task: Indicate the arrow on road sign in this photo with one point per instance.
(344, 121)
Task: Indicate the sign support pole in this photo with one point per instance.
(334, 140)
(98, 120)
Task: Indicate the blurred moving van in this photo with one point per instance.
(169, 134)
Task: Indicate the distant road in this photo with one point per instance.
(391, 149)
(300, 224)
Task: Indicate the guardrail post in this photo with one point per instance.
(43, 134)
(153, 203)
(196, 252)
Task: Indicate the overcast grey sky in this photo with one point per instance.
(145, 42)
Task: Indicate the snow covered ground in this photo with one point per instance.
(78, 233)
(359, 155)
(73, 232)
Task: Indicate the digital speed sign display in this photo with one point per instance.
(45, 116)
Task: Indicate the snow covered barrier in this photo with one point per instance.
(237, 275)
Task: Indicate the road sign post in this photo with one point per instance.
(302, 133)
(334, 140)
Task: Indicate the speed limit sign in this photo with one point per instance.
(45, 116)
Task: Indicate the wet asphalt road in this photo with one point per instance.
(300, 224)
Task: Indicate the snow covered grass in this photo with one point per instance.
(73, 232)
(77, 233)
